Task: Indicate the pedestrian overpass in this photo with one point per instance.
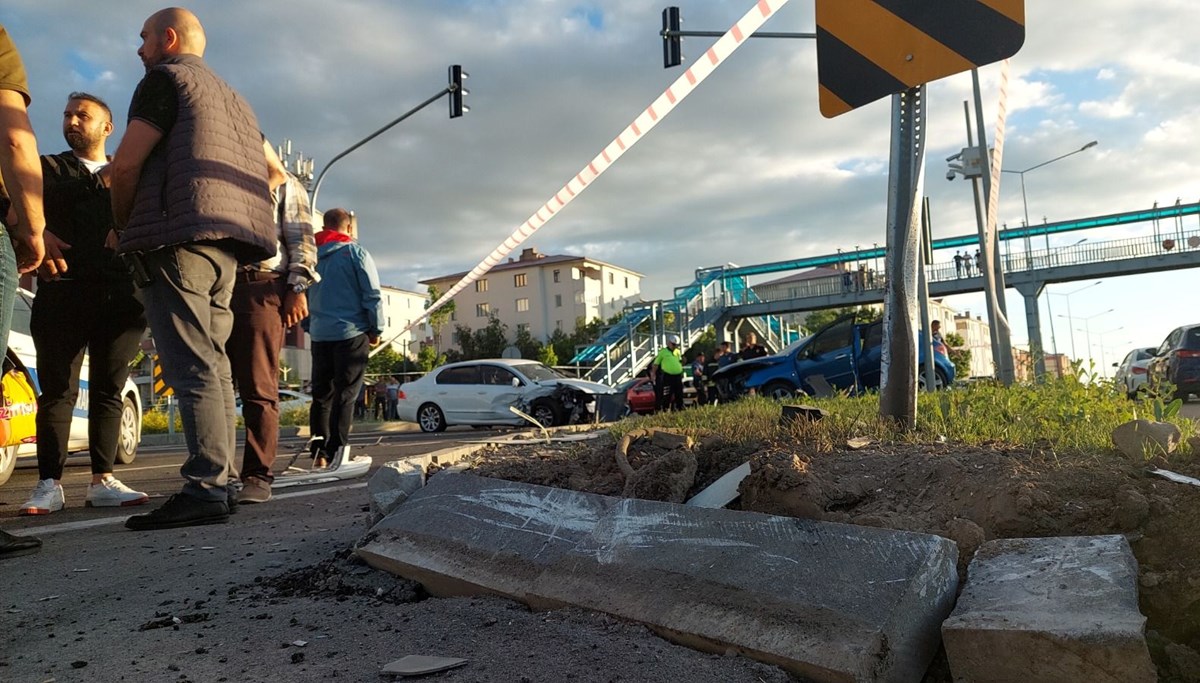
(722, 296)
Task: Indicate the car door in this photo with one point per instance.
(830, 353)
(456, 393)
(499, 389)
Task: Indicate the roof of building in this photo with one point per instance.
(531, 257)
(423, 295)
(805, 275)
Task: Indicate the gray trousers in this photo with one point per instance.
(188, 307)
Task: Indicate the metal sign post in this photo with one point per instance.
(898, 389)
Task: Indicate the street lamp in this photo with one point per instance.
(1103, 363)
(1025, 202)
(1067, 296)
(1086, 329)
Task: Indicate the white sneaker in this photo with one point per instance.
(47, 497)
(111, 493)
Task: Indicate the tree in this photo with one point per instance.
(441, 316)
(428, 358)
(528, 346)
(491, 340)
(384, 362)
(961, 357)
(818, 319)
(465, 340)
(547, 356)
(706, 343)
(562, 345)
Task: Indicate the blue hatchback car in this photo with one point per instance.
(846, 354)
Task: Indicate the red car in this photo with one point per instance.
(639, 392)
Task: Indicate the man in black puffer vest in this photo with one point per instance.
(191, 202)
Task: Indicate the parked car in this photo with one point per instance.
(480, 392)
(1132, 370)
(639, 393)
(288, 400)
(1177, 360)
(848, 355)
(21, 342)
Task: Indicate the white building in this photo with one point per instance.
(401, 307)
(541, 293)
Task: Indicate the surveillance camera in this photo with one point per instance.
(952, 157)
(950, 175)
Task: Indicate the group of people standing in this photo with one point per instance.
(194, 228)
(667, 370)
(964, 264)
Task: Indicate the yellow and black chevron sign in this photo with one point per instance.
(160, 385)
(868, 49)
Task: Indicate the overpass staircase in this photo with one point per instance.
(626, 348)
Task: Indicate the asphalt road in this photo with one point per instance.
(156, 471)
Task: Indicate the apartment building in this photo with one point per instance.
(541, 293)
(401, 307)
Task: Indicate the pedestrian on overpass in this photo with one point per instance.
(958, 264)
(666, 371)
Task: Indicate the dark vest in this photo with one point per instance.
(206, 180)
(79, 212)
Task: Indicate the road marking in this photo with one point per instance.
(107, 521)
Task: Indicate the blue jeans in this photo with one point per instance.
(8, 287)
(188, 307)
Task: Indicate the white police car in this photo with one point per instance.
(21, 342)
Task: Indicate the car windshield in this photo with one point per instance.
(537, 372)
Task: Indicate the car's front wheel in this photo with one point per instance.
(545, 414)
(779, 390)
(8, 462)
(127, 438)
(939, 380)
(431, 419)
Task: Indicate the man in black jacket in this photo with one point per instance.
(85, 302)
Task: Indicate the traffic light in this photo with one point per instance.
(672, 44)
(457, 91)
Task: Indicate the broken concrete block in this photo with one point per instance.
(829, 602)
(1050, 609)
(792, 414)
(394, 482)
(1140, 440)
(420, 665)
(723, 491)
(670, 441)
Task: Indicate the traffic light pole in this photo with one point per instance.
(451, 89)
(673, 36)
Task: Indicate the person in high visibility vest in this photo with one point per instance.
(666, 371)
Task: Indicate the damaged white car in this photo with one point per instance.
(480, 392)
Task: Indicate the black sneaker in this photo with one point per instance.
(13, 546)
(181, 510)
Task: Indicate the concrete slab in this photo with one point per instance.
(723, 491)
(396, 480)
(1050, 609)
(831, 602)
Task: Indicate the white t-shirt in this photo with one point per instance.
(93, 166)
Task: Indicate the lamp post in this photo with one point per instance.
(1025, 202)
(1086, 329)
(1067, 296)
(1103, 362)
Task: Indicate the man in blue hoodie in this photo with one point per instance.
(345, 321)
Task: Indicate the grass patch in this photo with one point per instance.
(1067, 415)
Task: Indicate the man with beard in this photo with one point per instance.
(84, 303)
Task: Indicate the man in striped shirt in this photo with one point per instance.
(269, 297)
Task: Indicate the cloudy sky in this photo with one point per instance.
(744, 171)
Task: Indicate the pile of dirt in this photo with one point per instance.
(967, 494)
(340, 577)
